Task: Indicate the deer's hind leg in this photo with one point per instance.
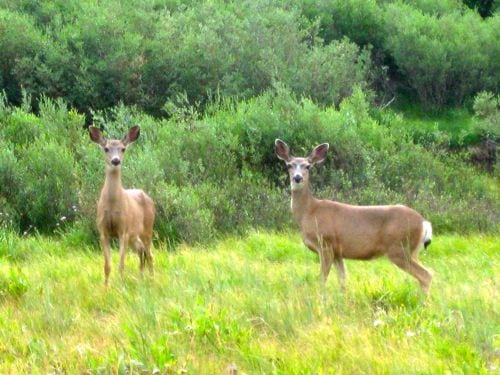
(148, 252)
(414, 268)
(140, 248)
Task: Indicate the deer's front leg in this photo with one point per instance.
(123, 252)
(107, 258)
(339, 264)
(324, 257)
(326, 261)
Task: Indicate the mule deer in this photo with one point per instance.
(336, 230)
(126, 214)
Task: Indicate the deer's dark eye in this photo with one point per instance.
(106, 149)
(123, 149)
(308, 167)
(289, 166)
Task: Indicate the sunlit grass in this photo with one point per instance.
(453, 121)
(253, 302)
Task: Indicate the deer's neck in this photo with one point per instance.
(302, 200)
(112, 192)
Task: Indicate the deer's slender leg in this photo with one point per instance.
(339, 265)
(123, 252)
(149, 257)
(141, 251)
(107, 258)
(415, 269)
(325, 258)
(326, 261)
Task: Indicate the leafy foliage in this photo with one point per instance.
(439, 52)
(217, 173)
(146, 53)
(487, 110)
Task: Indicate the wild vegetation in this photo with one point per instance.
(221, 81)
(253, 303)
(404, 91)
(96, 55)
(217, 173)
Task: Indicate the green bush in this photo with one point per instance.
(10, 186)
(49, 185)
(136, 53)
(181, 216)
(146, 53)
(487, 116)
(216, 173)
(362, 21)
(246, 201)
(20, 43)
(437, 51)
(21, 128)
(445, 60)
(329, 74)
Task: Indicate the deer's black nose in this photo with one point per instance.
(297, 178)
(115, 161)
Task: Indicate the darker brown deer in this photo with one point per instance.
(125, 214)
(338, 231)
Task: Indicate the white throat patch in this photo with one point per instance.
(297, 186)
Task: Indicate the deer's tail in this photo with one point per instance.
(426, 233)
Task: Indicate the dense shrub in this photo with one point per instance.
(181, 215)
(146, 53)
(439, 52)
(10, 185)
(216, 173)
(486, 8)
(445, 59)
(49, 185)
(487, 116)
(20, 43)
(231, 78)
(362, 21)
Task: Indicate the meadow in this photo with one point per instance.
(252, 303)
(404, 91)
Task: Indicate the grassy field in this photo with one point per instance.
(456, 123)
(253, 303)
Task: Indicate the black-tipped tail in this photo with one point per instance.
(427, 237)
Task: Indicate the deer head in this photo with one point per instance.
(114, 149)
(298, 167)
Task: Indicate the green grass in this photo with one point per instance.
(452, 121)
(455, 123)
(254, 302)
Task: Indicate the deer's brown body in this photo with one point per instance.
(125, 214)
(336, 230)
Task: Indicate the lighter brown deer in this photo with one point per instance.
(126, 214)
(338, 231)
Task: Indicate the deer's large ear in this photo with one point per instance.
(132, 135)
(318, 154)
(96, 135)
(282, 150)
